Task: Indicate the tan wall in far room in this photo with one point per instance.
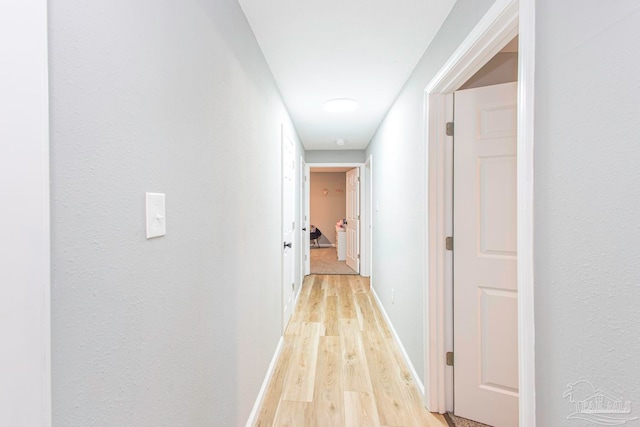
(325, 211)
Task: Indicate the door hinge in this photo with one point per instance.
(449, 243)
(358, 256)
(358, 217)
(449, 358)
(449, 129)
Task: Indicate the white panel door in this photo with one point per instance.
(485, 275)
(288, 227)
(353, 219)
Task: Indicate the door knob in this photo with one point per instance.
(287, 245)
(304, 228)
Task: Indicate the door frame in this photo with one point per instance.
(25, 171)
(503, 21)
(305, 255)
(366, 215)
(366, 247)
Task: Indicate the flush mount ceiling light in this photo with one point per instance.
(341, 141)
(341, 105)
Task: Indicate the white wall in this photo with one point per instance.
(335, 156)
(25, 396)
(587, 202)
(171, 97)
(399, 187)
(325, 211)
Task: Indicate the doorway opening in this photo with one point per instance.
(494, 31)
(337, 219)
(333, 242)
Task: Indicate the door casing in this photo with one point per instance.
(502, 22)
(303, 222)
(366, 185)
(366, 223)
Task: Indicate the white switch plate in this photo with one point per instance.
(156, 221)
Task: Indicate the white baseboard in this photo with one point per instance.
(416, 379)
(324, 245)
(263, 390)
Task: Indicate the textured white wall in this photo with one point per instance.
(325, 211)
(25, 373)
(587, 201)
(171, 97)
(335, 156)
(399, 187)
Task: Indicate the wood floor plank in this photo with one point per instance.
(421, 416)
(346, 309)
(369, 322)
(300, 310)
(300, 379)
(293, 328)
(354, 362)
(360, 409)
(385, 381)
(275, 387)
(333, 282)
(382, 324)
(315, 305)
(325, 283)
(293, 414)
(331, 316)
(359, 284)
(366, 283)
(328, 397)
(359, 315)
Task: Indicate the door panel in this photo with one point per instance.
(288, 227)
(498, 369)
(497, 210)
(485, 275)
(353, 219)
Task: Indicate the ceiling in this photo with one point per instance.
(358, 49)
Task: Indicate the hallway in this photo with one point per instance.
(339, 364)
(106, 103)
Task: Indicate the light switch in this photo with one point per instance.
(156, 222)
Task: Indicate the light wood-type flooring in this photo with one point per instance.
(339, 364)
